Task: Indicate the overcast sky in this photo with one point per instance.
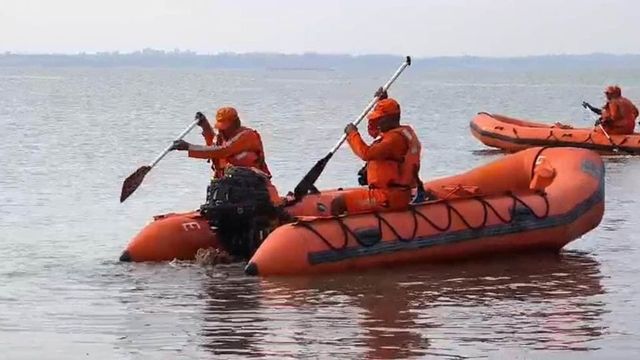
(415, 27)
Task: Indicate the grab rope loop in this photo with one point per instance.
(417, 215)
(552, 135)
(588, 139)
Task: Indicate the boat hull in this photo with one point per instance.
(512, 135)
(499, 216)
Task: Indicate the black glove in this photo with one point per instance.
(381, 94)
(350, 128)
(201, 118)
(586, 105)
(179, 145)
(598, 122)
(362, 176)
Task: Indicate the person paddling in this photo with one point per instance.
(233, 145)
(618, 115)
(392, 163)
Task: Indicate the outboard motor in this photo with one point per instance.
(240, 207)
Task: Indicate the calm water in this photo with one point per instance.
(70, 136)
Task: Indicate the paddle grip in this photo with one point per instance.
(373, 102)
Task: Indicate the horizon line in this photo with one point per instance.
(177, 51)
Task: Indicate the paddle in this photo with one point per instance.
(307, 183)
(615, 147)
(134, 180)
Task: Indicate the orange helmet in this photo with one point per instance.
(613, 90)
(384, 108)
(225, 117)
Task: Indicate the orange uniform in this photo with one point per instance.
(243, 147)
(393, 161)
(629, 112)
(618, 114)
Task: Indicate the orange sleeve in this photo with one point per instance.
(208, 135)
(246, 141)
(390, 147)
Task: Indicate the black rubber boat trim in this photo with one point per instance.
(521, 225)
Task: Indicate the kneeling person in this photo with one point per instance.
(618, 116)
(392, 161)
(233, 145)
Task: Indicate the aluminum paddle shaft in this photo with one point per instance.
(307, 183)
(373, 102)
(134, 180)
(180, 137)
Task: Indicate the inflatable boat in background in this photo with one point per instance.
(512, 135)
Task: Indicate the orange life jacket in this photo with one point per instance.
(629, 113)
(619, 115)
(399, 172)
(250, 158)
(410, 167)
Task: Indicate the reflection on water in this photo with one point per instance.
(231, 324)
(487, 151)
(619, 159)
(61, 224)
(540, 301)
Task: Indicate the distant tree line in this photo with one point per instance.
(309, 61)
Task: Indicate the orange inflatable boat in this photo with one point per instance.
(537, 199)
(180, 235)
(171, 236)
(513, 135)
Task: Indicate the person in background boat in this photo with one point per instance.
(233, 145)
(392, 163)
(618, 115)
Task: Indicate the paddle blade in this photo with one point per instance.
(134, 180)
(306, 184)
